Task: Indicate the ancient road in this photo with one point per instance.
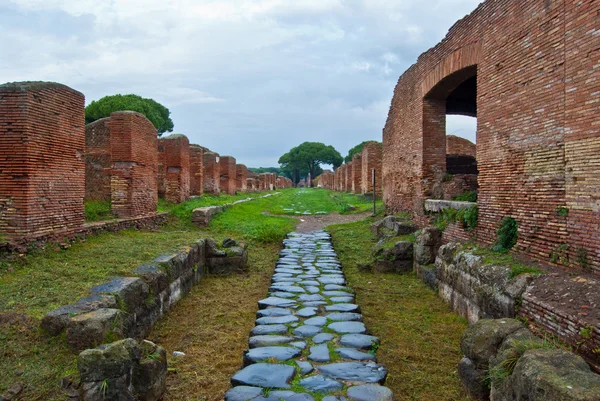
(309, 336)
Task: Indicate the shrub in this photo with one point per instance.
(507, 235)
(469, 196)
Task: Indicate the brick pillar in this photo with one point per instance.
(98, 161)
(196, 170)
(177, 168)
(42, 169)
(356, 173)
(161, 173)
(372, 155)
(227, 168)
(241, 178)
(348, 177)
(211, 173)
(133, 144)
(262, 182)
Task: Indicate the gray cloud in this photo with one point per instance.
(245, 78)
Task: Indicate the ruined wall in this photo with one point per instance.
(241, 178)
(98, 161)
(177, 168)
(460, 146)
(161, 173)
(538, 146)
(357, 173)
(227, 168)
(372, 155)
(196, 170)
(133, 146)
(212, 174)
(42, 168)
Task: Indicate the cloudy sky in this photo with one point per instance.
(247, 78)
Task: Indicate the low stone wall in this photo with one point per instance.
(139, 223)
(130, 306)
(505, 362)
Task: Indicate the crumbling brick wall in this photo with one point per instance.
(460, 146)
(42, 168)
(538, 143)
(241, 178)
(196, 170)
(263, 182)
(161, 174)
(357, 173)
(212, 174)
(372, 155)
(98, 161)
(227, 168)
(133, 147)
(177, 168)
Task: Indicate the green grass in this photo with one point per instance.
(184, 210)
(420, 334)
(97, 211)
(319, 201)
(490, 257)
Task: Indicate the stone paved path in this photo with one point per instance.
(309, 336)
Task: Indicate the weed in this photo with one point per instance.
(468, 218)
(586, 332)
(469, 196)
(507, 235)
(505, 368)
(104, 388)
(582, 258)
(97, 211)
(562, 211)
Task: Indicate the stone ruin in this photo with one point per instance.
(228, 175)
(196, 170)
(177, 168)
(241, 178)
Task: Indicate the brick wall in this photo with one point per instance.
(133, 144)
(161, 173)
(196, 170)
(42, 168)
(227, 168)
(177, 168)
(212, 175)
(460, 146)
(98, 161)
(241, 178)
(372, 154)
(538, 143)
(357, 173)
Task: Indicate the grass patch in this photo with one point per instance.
(505, 368)
(184, 210)
(420, 333)
(490, 257)
(469, 196)
(97, 211)
(319, 201)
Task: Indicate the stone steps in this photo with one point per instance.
(309, 337)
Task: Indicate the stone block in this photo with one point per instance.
(203, 215)
(234, 260)
(55, 321)
(93, 328)
(154, 276)
(130, 292)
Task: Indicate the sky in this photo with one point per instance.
(246, 78)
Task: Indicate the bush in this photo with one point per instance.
(469, 196)
(508, 233)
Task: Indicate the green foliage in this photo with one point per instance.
(261, 170)
(307, 158)
(560, 254)
(469, 196)
(154, 111)
(357, 149)
(468, 218)
(562, 211)
(517, 270)
(582, 258)
(490, 257)
(97, 211)
(507, 235)
(507, 366)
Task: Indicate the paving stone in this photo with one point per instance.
(312, 290)
(336, 287)
(264, 375)
(370, 392)
(351, 353)
(307, 331)
(287, 288)
(345, 317)
(280, 353)
(359, 341)
(314, 303)
(243, 393)
(336, 294)
(348, 327)
(309, 283)
(321, 384)
(355, 371)
(316, 321)
(319, 353)
(299, 344)
(269, 329)
(287, 295)
(284, 395)
(323, 338)
(273, 312)
(343, 308)
(268, 341)
(276, 320)
(305, 367)
(341, 300)
(274, 301)
(333, 398)
(307, 312)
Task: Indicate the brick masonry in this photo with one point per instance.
(212, 175)
(460, 146)
(241, 177)
(535, 65)
(196, 170)
(227, 168)
(133, 144)
(372, 154)
(98, 161)
(177, 168)
(42, 167)
(357, 173)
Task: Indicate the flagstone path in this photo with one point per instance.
(309, 337)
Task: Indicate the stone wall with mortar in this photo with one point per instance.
(196, 170)
(177, 168)
(227, 168)
(133, 141)
(535, 65)
(42, 167)
(212, 174)
(98, 161)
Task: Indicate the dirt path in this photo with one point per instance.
(310, 223)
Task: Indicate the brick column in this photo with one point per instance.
(372, 154)
(196, 170)
(98, 161)
(211, 173)
(227, 168)
(357, 173)
(241, 178)
(177, 168)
